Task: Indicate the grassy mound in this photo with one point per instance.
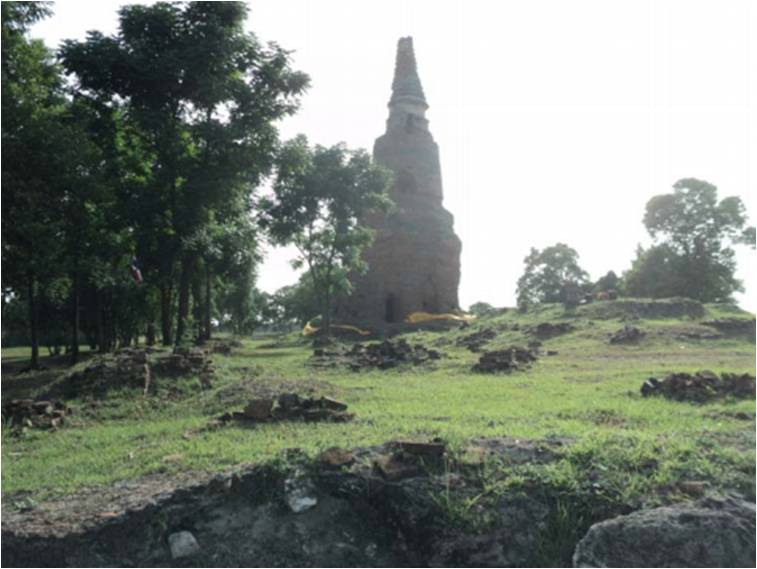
(679, 308)
(630, 449)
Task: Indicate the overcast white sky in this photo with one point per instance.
(556, 120)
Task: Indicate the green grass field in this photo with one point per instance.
(587, 395)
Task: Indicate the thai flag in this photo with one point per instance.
(136, 274)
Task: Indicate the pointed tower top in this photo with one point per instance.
(406, 86)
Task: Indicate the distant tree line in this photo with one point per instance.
(692, 254)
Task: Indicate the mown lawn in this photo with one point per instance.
(587, 396)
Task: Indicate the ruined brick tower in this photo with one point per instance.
(415, 257)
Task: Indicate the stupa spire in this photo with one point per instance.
(414, 261)
(406, 87)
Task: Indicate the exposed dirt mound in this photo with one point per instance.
(700, 387)
(23, 414)
(292, 407)
(511, 451)
(375, 506)
(138, 368)
(407, 459)
(381, 355)
(475, 341)
(547, 330)
(506, 545)
(508, 360)
(733, 326)
(126, 368)
(636, 308)
(627, 335)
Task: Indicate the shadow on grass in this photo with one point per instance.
(20, 382)
(271, 354)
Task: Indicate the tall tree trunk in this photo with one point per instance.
(326, 316)
(187, 263)
(327, 304)
(150, 334)
(110, 324)
(208, 301)
(100, 325)
(165, 313)
(33, 322)
(197, 307)
(112, 340)
(75, 322)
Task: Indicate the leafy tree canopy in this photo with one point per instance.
(482, 309)
(320, 198)
(298, 303)
(692, 254)
(128, 189)
(202, 95)
(610, 281)
(546, 273)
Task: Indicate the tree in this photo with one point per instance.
(203, 94)
(610, 281)
(482, 309)
(546, 272)
(233, 266)
(238, 303)
(297, 304)
(64, 230)
(33, 142)
(691, 256)
(108, 209)
(320, 197)
(654, 273)
(154, 152)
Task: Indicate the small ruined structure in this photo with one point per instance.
(414, 262)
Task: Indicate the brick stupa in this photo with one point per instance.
(414, 262)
